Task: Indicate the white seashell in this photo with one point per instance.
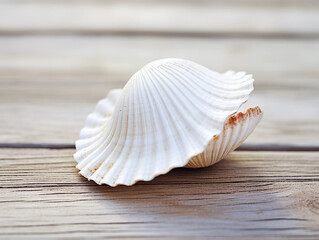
(168, 112)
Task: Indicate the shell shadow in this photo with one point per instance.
(217, 190)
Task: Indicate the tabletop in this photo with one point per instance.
(58, 58)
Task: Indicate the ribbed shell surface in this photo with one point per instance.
(236, 129)
(167, 113)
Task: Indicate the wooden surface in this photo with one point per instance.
(247, 195)
(290, 17)
(58, 58)
(62, 78)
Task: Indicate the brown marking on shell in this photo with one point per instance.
(237, 118)
(94, 169)
(216, 138)
(109, 166)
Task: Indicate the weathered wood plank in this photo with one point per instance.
(248, 195)
(281, 62)
(55, 112)
(233, 17)
(61, 79)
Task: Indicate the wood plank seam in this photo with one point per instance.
(164, 34)
(243, 147)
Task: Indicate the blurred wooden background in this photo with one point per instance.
(58, 58)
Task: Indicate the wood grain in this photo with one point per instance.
(281, 62)
(58, 58)
(50, 84)
(265, 194)
(244, 17)
(55, 112)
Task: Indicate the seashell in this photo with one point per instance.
(171, 113)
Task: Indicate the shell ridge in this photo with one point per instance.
(160, 115)
(209, 88)
(171, 121)
(232, 98)
(110, 98)
(87, 141)
(204, 111)
(206, 72)
(171, 110)
(153, 117)
(123, 154)
(141, 123)
(110, 164)
(161, 118)
(95, 149)
(198, 129)
(187, 98)
(99, 150)
(205, 92)
(150, 117)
